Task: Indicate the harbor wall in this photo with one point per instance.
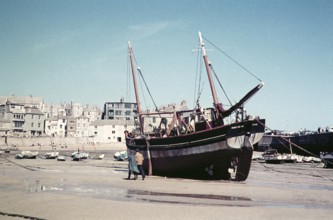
(58, 142)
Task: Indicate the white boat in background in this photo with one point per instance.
(51, 155)
(97, 157)
(27, 155)
(61, 158)
(120, 155)
(311, 159)
(80, 155)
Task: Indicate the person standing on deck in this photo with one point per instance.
(139, 161)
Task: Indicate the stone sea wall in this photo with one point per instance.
(58, 142)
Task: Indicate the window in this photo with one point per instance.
(32, 124)
(113, 132)
(39, 125)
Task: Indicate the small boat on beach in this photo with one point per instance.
(327, 158)
(97, 157)
(61, 158)
(80, 155)
(120, 155)
(271, 156)
(51, 155)
(200, 142)
(26, 155)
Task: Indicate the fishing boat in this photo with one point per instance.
(197, 143)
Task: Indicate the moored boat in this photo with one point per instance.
(306, 144)
(61, 158)
(327, 158)
(97, 156)
(27, 155)
(77, 156)
(271, 156)
(198, 142)
(51, 155)
(120, 155)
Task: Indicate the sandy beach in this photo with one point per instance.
(98, 189)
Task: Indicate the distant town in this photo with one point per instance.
(28, 116)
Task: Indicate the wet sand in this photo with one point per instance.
(98, 189)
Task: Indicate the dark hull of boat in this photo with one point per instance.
(328, 163)
(204, 154)
(310, 144)
(274, 161)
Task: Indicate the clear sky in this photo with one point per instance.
(76, 50)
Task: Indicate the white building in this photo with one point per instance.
(104, 131)
(55, 127)
(82, 125)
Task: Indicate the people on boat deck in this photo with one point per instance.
(132, 167)
(139, 161)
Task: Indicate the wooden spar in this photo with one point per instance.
(212, 87)
(135, 86)
(150, 169)
(150, 166)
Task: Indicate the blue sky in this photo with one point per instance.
(77, 51)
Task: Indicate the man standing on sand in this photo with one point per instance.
(132, 167)
(139, 161)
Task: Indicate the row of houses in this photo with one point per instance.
(27, 116)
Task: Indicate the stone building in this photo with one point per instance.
(19, 119)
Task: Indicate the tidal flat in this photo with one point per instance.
(98, 189)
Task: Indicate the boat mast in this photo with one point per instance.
(207, 64)
(135, 85)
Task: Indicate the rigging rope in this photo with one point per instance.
(144, 81)
(211, 66)
(248, 71)
(198, 71)
(139, 70)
